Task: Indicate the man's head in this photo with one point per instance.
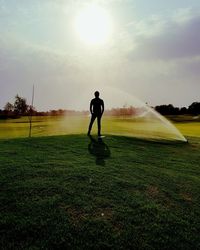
(96, 93)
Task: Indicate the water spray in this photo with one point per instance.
(144, 121)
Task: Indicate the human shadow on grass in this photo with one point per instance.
(99, 149)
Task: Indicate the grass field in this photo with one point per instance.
(45, 126)
(74, 192)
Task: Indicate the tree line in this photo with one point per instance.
(193, 109)
(17, 109)
(21, 108)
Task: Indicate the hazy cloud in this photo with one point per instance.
(157, 58)
(169, 39)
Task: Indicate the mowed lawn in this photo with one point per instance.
(74, 192)
(58, 125)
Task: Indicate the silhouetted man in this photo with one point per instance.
(96, 110)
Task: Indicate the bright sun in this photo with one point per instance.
(93, 25)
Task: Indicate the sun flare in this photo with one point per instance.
(93, 25)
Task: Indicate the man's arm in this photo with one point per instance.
(102, 107)
(91, 107)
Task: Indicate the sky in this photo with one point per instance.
(152, 53)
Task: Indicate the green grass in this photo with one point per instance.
(122, 193)
(143, 128)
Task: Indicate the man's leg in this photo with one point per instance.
(93, 117)
(99, 124)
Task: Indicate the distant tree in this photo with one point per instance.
(9, 107)
(20, 105)
(194, 108)
(168, 109)
(53, 112)
(165, 109)
(176, 111)
(183, 111)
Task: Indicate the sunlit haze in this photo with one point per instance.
(93, 25)
(69, 49)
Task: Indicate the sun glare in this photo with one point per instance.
(93, 25)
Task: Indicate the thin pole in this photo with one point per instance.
(31, 112)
